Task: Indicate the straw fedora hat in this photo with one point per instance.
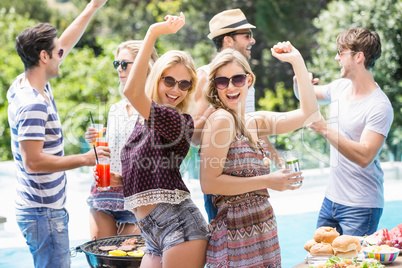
(228, 21)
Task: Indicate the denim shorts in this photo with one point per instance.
(46, 234)
(168, 225)
(347, 220)
(120, 217)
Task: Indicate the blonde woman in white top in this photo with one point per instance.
(107, 216)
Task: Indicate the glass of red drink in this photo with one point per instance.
(103, 167)
(103, 170)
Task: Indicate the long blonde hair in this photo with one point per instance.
(166, 61)
(211, 95)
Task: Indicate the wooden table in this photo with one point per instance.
(396, 263)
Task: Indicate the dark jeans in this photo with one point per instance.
(347, 220)
(209, 207)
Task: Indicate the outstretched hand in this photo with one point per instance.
(282, 179)
(98, 3)
(172, 24)
(284, 51)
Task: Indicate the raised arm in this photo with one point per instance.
(74, 31)
(201, 107)
(134, 89)
(271, 123)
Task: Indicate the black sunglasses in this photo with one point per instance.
(169, 81)
(249, 33)
(117, 63)
(61, 52)
(238, 80)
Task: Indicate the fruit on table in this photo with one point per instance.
(391, 238)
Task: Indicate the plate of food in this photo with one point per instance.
(384, 253)
(341, 262)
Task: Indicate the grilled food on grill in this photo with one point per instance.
(107, 248)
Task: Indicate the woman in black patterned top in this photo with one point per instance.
(171, 223)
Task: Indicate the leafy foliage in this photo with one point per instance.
(87, 83)
(11, 23)
(32, 9)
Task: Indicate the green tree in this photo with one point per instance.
(33, 9)
(10, 66)
(278, 21)
(87, 83)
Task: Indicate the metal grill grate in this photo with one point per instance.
(93, 246)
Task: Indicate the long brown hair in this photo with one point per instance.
(211, 95)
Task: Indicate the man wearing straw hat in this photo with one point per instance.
(37, 140)
(228, 29)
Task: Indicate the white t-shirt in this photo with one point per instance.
(119, 128)
(250, 100)
(350, 184)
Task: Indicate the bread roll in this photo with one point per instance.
(346, 243)
(325, 234)
(321, 249)
(349, 254)
(309, 244)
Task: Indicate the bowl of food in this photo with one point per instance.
(384, 253)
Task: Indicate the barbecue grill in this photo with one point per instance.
(101, 259)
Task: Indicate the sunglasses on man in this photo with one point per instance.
(238, 80)
(184, 85)
(117, 63)
(249, 34)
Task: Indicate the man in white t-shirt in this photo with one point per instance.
(228, 29)
(360, 119)
(37, 140)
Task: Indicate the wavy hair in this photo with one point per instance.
(166, 61)
(211, 95)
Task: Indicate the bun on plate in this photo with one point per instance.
(309, 244)
(346, 243)
(325, 234)
(349, 254)
(321, 249)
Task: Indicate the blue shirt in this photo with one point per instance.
(32, 117)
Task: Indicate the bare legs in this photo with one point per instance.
(184, 255)
(104, 225)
